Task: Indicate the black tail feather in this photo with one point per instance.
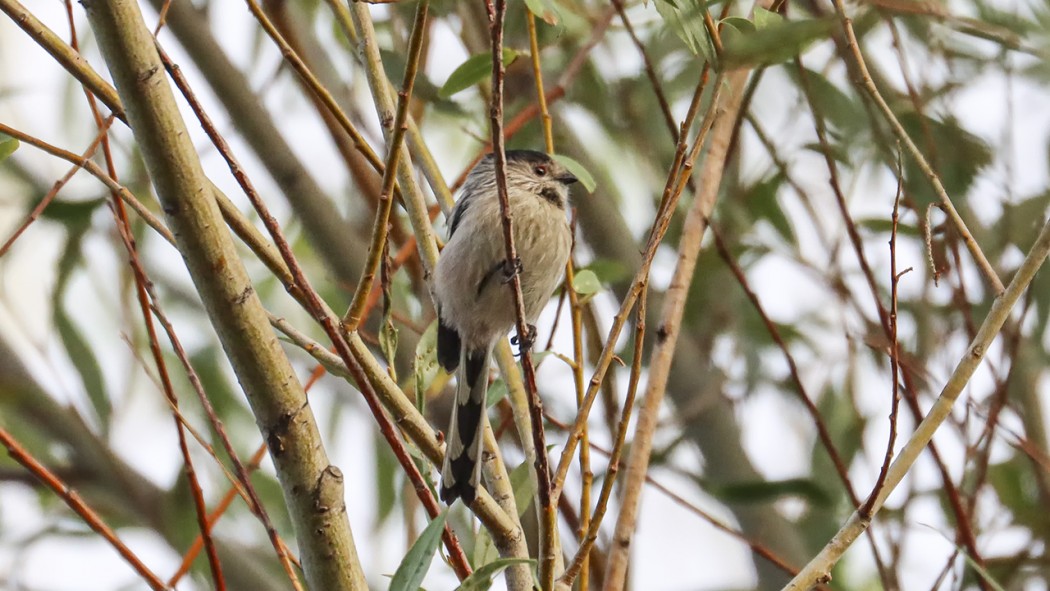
(448, 346)
(460, 473)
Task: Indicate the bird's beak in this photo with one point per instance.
(566, 178)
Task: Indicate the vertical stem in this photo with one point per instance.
(537, 74)
(548, 520)
(386, 197)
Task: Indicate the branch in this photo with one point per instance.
(668, 329)
(312, 486)
(819, 567)
(960, 226)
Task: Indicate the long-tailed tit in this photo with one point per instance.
(472, 286)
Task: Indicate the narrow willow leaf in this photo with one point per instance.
(497, 391)
(416, 563)
(524, 486)
(775, 43)
(766, 18)
(481, 579)
(579, 171)
(7, 147)
(472, 71)
(77, 347)
(545, 9)
(425, 365)
(388, 341)
(688, 23)
(387, 473)
(740, 23)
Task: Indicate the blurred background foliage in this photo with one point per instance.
(967, 79)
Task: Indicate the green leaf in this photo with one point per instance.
(72, 213)
(739, 23)
(956, 154)
(83, 358)
(484, 550)
(763, 203)
(472, 71)
(764, 491)
(766, 18)
(545, 9)
(885, 226)
(838, 108)
(837, 152)
(579, 171)
(609, 270)
(773, 44)
(7, 147)
(688, 24)
(524, 486)
(417, 562)
(386, 479)
(481, 579)
(586, 283)
(77, 347)
(425, 365)
(496, 392)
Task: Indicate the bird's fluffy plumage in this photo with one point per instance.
(475, 303)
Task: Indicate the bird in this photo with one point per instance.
(472, 289)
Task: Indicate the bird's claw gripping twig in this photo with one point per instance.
(510, 269)
(525, 343)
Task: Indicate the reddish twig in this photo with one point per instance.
(551, 96)
(51, 194)
(300, 288)
(895, 277)
(73, 500)
(141, 281)
(579, 562)
(548, 527)
(910, 390)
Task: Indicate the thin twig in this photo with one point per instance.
(800, 389)
(71, 498)
(579, 562)
(894, 349)
(548, 519)
(537, 75)
(650, 71)
(911, 391)
(902, 135)
(353, 316)
(556, 93)
(53, 192)
(95, 171)
(656, 234)
(818, 568)
(141, 282)
(326, 318)
(315, 85)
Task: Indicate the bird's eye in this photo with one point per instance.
(540, 170)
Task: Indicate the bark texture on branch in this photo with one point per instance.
(312, 486)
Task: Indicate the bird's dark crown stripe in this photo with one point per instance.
(532, 156)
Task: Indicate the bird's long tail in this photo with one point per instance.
(461, 471)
